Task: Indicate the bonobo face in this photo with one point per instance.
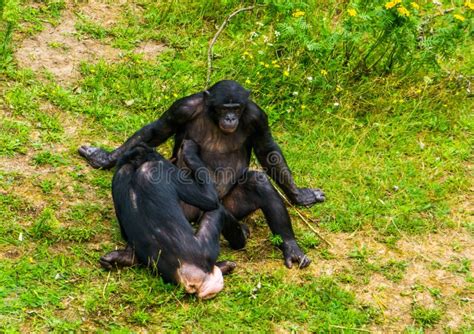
(226, 102)
(228, 116)
(195, 280)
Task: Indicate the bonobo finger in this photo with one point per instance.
(226, 267)
(105, 263)
(288, 262)
(304, 262)
(319, 195)
(84, 151)
(245, 230)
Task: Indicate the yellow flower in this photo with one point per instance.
(247, 54)
(469, 4)
(247, 81)
(392, 4)
(403, 11)
(324, 72)
(298, 13)
(415, 5)
(352, 12)
(286, 73)
(459, 17)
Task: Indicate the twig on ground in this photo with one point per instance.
(214, 39)
(305, 219)
(352, 329)
(105, 285)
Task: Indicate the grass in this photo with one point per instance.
(391, 147)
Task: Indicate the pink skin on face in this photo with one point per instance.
(195, 280)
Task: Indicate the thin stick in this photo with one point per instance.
(305, 219)
(352, 329)
(213, 41)
(105, 285)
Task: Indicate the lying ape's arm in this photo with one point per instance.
(270, 156)
(199, 169)
(152, 134)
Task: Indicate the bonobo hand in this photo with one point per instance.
(308, 196)
(292, 253)
(96, 157)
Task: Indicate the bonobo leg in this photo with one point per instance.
(119, 258)
(255, 191)
(234, 232)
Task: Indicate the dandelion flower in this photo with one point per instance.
(459, 17)
(352, 12)
(414, 5)
(403, 11)
(392, 4)
(298, 13)
(469, 4)
(286, 73)
(247, 81)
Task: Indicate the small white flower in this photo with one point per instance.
(295, 93)
(310, 78)
(336, 104)
(277, 33)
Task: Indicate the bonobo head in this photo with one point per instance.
(195, 280)
(226, 101)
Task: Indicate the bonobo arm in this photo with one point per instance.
(270, 156)
(198, 168)
(152, 134)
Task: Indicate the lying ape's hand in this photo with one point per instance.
(292, 253)
(96, 157)
(308, 196)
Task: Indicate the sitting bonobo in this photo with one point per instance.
(227, 126)
(147, 190)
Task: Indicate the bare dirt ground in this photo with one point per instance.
(60, 49)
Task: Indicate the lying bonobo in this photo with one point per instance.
(147, 190)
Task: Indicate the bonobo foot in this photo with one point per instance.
(96, 157)
(293, 253)
(227, 267)
(118, 259)
(308, 196)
